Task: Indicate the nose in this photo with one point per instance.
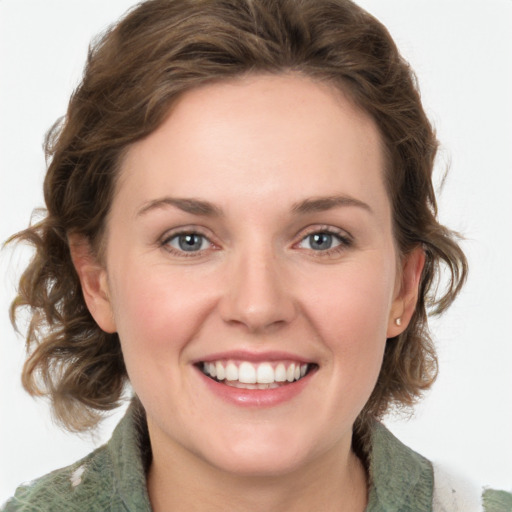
(257, 293)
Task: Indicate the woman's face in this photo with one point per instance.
(250, 242)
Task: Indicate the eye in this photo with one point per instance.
(188, 242)
(320, 241)
(324, 241)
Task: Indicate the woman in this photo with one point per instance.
(240, 221)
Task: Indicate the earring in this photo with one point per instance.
(398, 321)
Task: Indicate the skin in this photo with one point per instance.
(255, 149)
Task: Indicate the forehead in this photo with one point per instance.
(264, 132)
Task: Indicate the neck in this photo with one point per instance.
(181, 481)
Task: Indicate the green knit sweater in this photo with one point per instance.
(112, 478)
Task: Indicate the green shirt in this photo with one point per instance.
(113, 478)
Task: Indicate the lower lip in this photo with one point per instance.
(256, 397)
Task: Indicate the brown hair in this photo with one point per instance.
(134, 72)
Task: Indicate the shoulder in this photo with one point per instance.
(83, 485)
(112, 478)
(453, 493)
(402, 479)
(497, 501)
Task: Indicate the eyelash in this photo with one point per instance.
(344, 239)
(166, 240)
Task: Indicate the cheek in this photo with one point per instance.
(351, 312)
(156, 314)
(156, 317)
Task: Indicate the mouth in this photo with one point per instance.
(249, 375)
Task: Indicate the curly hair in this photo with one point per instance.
(134, 73)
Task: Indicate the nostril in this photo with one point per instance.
(266, 317)
(256, 295)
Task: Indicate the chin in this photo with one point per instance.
(261, 465)
(265, 455)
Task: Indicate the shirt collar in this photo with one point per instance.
(130, 454)
(401, 480)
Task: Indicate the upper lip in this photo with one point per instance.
(253, 357)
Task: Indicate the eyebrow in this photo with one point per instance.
(322, 204)
(193, 206)
(207, 209)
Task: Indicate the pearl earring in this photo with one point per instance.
(398, 321)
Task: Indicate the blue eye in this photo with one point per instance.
(188, 242)
(321, 241)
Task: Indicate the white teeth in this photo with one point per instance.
(254, 376)
(265, 374)
(219, 368)
(231, 371)
(241, 385)
(280, 374)
(247, 373)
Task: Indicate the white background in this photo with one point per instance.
(462, 53)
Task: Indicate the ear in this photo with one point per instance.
(93, 279)
(406, 292)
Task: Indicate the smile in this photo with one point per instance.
(248, 375)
